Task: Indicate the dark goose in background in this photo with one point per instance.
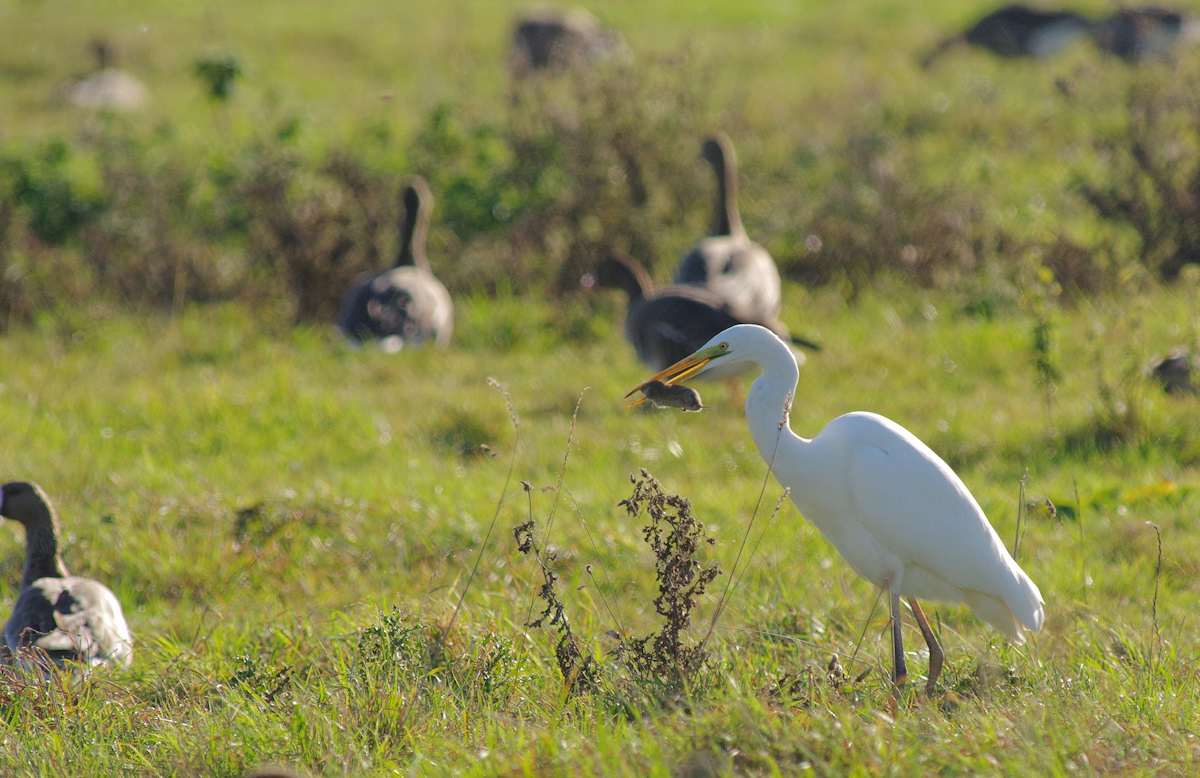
(727, 263)
(1018, 31)
(406, 305)
(106, 88)
(553, 40)
(665, 326)
(1141, 34)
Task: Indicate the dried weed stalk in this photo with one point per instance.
(580, 671)
(661, 659)
(674, 536)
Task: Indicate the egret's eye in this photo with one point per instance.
(724, 346)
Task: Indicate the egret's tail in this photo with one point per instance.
(1019, 612)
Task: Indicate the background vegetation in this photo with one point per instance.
(314, 544)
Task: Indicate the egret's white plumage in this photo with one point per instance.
(893, 509)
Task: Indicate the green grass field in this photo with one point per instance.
(259, 498)
(314, 544)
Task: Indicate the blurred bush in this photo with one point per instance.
(585, 162)
(1147, 175)
(314, 231)
(589, 161)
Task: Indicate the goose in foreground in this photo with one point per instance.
(665, 326)
(405, 305)
(58, 617)
(727, 263)
(893, 508)
(1018, 31)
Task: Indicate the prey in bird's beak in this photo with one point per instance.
(682, 370)
(678, 396)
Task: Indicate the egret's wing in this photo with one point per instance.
(920, 510)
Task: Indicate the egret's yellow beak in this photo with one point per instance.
(677, 373)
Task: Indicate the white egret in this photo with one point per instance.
(895, 511)
(405, 305)
(58, 616)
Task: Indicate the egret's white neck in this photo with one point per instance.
(767, 411)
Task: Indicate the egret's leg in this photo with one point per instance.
(936, 655)
(900, 676)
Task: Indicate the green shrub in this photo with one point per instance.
(46, 182)
(1148, 172)
(312, 232)
(584, 163)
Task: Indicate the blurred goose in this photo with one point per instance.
(727, 263)
(58, 617)
(107, 88)
(1173, 372)
(1018, 31)
(406, 305)
(667, 325)
(1141, 34)
(552, 39)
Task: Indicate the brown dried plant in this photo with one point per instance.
(580, 670)
(675, 536)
